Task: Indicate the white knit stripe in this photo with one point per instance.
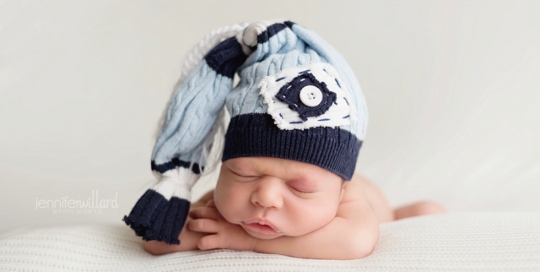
(206, 44)
(176, 182)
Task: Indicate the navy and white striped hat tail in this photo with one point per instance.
(156, 218)
(161, 212)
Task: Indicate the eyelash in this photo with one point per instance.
(254, 177)
(246, 177)
(301, 191)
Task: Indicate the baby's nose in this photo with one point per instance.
(268, 193)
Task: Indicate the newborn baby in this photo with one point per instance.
(287, 185)
(288, 207)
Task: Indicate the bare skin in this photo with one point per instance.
(361, 199)
(384, 213)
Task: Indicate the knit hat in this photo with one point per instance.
(297, 99)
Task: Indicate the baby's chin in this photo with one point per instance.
(264, 237)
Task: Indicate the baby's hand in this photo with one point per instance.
(222, 234)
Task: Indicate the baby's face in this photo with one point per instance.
(272, 197)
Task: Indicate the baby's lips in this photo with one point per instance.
(262, 222)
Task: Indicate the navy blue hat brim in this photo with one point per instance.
(256, 135)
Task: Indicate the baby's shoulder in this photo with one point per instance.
(354, 190)
(355, 202)
(362, 195)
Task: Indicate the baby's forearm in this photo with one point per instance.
(188, 241)
(337, 240)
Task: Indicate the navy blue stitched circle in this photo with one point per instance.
(290, 94)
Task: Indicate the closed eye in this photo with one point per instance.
(243, 176)
(303, 191)
(303, 185)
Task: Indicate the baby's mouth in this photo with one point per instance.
(260, 226)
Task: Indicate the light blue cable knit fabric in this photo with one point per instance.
(191, 113)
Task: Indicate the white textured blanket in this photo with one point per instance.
(479, 241)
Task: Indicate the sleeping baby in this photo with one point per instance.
(287, 183)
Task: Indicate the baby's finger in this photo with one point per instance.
(205, 212)
(211, 203)
(208, 242)
(203, 225)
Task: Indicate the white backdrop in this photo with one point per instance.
(452, 89)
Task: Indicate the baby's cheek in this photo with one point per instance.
(323, 214)
(226, 203)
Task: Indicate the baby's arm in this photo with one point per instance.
(352, 234)
(188, 239)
